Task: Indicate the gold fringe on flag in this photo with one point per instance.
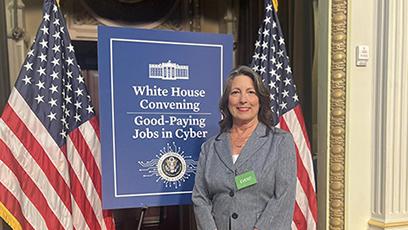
(9, 218)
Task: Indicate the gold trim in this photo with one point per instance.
(381, 224)
(9, 218)
(275, 4)
(337, 114)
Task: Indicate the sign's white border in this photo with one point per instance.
(113, 104)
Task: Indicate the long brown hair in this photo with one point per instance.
(264, 114)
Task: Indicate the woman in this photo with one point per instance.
(246, 175)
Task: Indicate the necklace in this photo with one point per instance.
(239, 145)
(239, 140)
(239, 136)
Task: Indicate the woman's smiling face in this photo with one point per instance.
(243, 102)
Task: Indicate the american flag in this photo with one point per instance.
(272, 63)
(50, 158)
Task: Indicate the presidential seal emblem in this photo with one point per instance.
(172, 166)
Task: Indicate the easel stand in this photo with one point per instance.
(142, 214)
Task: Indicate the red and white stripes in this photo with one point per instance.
(44, 186)
(305, 214)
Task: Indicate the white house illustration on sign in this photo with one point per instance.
(169, 71)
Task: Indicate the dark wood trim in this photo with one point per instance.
(250, 16)
(4, 70)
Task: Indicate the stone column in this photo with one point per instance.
(390, 160)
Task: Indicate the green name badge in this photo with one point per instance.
(245, 180)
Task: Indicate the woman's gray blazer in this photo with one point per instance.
(267, 205)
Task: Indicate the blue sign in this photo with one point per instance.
(159, 94)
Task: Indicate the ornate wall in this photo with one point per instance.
(363, 153)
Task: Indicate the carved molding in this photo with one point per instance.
(337, 114)
(390, 225)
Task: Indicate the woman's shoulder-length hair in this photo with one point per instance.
(264, 114)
